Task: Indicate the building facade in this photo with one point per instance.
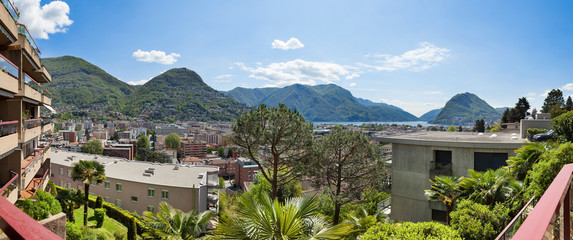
(418, 157)
(24, 161)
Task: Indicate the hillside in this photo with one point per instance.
(465, 109)
(431, 115)
(321, 103)
(78, 84)
(181, 94)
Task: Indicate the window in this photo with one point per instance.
(69, 172)
(118, 187)
(151, 208)
(118, 202)
(164, 194)
(106, 198)
(62, 171)
(484, 161)
(106, 184)
(62, 183)
(69, 185)
(151, 192)
(133, 199)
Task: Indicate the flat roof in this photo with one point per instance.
(458, 139)
(120, 168)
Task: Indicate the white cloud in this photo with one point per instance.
(155, 56)
(424, 57)
(292, 43)
(545, 94)
(568, 87)
(43, 20)
(351, 76)
(433, 92)
(223, 76)
(140, 82)
(531, 94)
(298, 71)
(352, 84)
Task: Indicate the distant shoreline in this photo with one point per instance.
(411, 123)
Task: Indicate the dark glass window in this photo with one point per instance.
(484, 161)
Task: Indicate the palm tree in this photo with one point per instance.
(171, 223)
(70, 199)
(362, 221)
(89, 172)
(526, 157)
(446, 190)
(491, 186)
(296, 218)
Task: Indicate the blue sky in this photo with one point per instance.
(412, 54)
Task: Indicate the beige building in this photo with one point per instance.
(24, 165)
(420, 156)
(141, 186)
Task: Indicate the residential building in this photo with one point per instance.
(70, 136)
(418, 157)
(166, 129)
(245, 171)
(193, 148)
(227, 167)
(141, 186)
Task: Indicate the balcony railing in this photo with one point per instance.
(32, 123)
(8, 67)
(10, 185)
(7, 128)
(550, 219)
(36, 86)
(11, 9)
(46, 121)
(510, 229)
(22, 29)
(38, 183)
(18, 225)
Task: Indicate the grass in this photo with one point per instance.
(109, 225)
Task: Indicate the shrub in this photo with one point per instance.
(73, 232)
(45, 205)
(118, 214)
(53, 189)
(409, 230)
(99, 202)
(131, 230)
(99, 215)
(118, 235)
(533, 131)
(563, 126)
(470, 214)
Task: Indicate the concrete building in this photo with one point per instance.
(70, 136)
(24, 161)
(141, 186)
(170, 128)
(193, 148)
(418, 157)
(245, 171)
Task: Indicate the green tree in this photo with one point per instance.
(362, 220)
(70, 200)
(542, 173)
(43, 205)
(93, 147)
(143, 148)
(345, 163)
(172, 141)
(452, 129)
(491, 187)
(553, 100)
(569, 104)
(89, 172)
(480, 125)
(525, 157)
(469, 215)
(171, 223)
(521, 108)
(563, 126)
(277, 139)
(264, 219)
(221, 151)
(409, 230)
(209, 150)
(262, 186)
(221, 183)
(445, 189)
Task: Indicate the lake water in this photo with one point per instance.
(414, 123)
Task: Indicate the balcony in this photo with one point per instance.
(550, 218)
(17, 225)
(47, 125)
(440, 169)
(8, 17)
(30, 49)
(10, 189)
(33, 163)
(37, 182)
(33, 90)
(32, 129)
(8, 75)
(8, 136)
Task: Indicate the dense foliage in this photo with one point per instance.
(321, 103)
(44, 205)
(172, 141)
(408, 230)
(170, 223)
(93, 147)
(563, 126)
(553, 103)
(477, 221)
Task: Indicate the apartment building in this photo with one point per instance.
(191, 147)
(245, 171)
(141, 186)
(24, 161)
(418, 157)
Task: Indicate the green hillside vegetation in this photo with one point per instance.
(181, 94)
(431, 115)
(321, 103)
(178, 94)
(464, 109)
(76, 82)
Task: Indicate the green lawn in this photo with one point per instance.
(109, 225)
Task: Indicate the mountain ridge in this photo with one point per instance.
(465, 109)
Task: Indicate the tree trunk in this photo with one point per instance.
(336, 217)
(87, 193)
(449, 209)
(274, 184)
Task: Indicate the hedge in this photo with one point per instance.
(533, 131)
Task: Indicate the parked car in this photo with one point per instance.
(543, 136)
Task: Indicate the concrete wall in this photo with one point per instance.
(411, 174)
(533, 123)
(56, 224)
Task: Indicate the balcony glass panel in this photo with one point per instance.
(32, 123)
(8, 67)
(7, 128)
(10, 185)
(24, 31)
(36, 86)
(11, 9)
(46, 121)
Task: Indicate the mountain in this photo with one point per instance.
(177, 94)
(431, 115)
(367, 102)
(500, 110)
(321, 103)
(77, 83)
(181, 94)
(465, 109)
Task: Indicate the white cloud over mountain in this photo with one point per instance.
(424, 57)
(155, 56)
